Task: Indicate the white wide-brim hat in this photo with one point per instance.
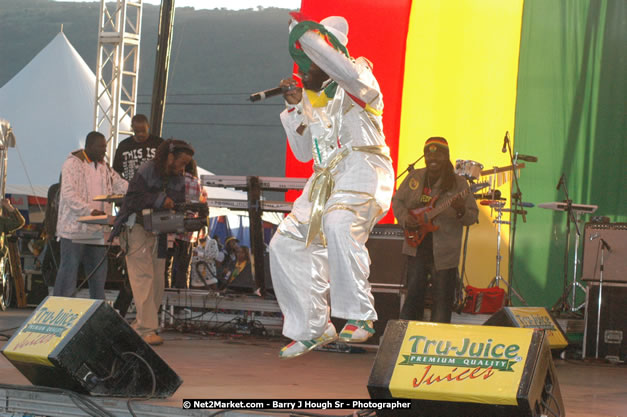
(338, 26)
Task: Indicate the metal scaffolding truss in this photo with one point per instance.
(117, 68)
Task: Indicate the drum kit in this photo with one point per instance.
(471, 170)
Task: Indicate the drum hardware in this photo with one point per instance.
(460, 301)
(498, 206)
(574, 212)
(470, 170)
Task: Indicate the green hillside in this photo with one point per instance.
(219, 57)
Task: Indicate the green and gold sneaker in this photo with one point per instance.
(300, 347)
(357, 331)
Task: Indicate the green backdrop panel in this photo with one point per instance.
(570, 112)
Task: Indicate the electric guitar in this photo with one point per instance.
(425, 215)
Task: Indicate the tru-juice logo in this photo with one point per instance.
(470, 360)
(46, 325)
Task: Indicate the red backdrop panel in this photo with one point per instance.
(378, 31)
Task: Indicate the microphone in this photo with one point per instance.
(527, 158)
(262, 95)
(505, 140)
(559, 184)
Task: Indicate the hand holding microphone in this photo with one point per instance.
(291, 93)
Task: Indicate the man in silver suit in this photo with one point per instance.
(319, 252)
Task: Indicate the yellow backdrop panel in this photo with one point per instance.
(460, 83)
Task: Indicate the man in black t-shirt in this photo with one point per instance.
(137, 149)
(131, 153)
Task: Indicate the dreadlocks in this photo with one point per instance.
(170, 146)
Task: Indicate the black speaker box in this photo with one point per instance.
(613, 329)
(85, 346)
(387, 263)
(36, 289)
(464, 381)
(531, 318)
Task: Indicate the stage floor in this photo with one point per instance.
(226, 366)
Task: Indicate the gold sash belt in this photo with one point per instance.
(323, 184)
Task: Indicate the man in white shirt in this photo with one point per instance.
(84, 176)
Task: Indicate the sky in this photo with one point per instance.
(228, 4)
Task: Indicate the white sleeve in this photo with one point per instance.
(72, 182)
(292, 118)
(353, 76)
(120, 185)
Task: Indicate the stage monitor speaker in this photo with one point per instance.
(613, 330)
(614, 260)
(531, 318)
(463, 370)
(83, 345)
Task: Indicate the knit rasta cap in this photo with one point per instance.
(436, 143)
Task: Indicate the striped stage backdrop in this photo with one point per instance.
(549, 73)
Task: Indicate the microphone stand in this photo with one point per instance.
(515, 199)
(409, 168)
(562, 303)
(603, 245)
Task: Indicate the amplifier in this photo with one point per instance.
(612, 331)
(387, 263)
(614, 260)
(387, 231)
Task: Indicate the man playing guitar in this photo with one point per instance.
(433, 204)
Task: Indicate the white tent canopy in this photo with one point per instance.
(50, 104)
